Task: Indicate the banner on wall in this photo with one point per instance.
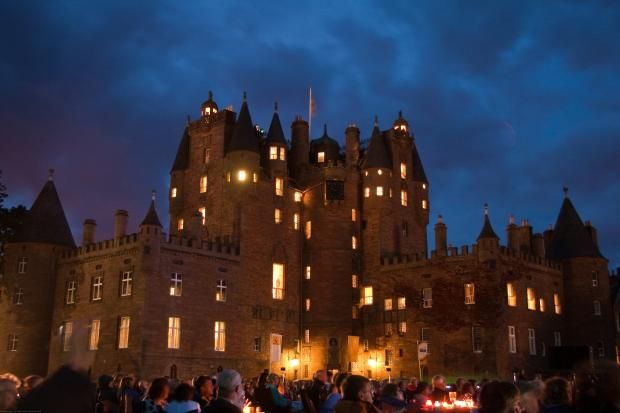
(276, 348)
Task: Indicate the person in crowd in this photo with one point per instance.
(8, 394)
(335, 394)
(205, 391)
(411, 389)
(182, 400)
(356, 396)
(421, 394)
(142, 387)
(392, 399)
(531, 395)
(128, 395)
(29, 383)
(231, 397)
(468, 392)
(499, 397)
(157, 396)
(459, 386)
(557, 396)
(318, 391)
(278, 402)
(597, 388)
(107, 399)
(439, 393)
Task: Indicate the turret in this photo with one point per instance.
(209, 107)
(300, 146)
(242, 160)
(275, 148)
(441, 237)
(377, 166)
(401, 126)
(325, 150)
(352, 134)
(151, 219)
(488, 239)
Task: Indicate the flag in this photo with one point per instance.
(422, 350)
(311, 106)
(276, 347)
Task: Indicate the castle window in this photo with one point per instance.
(278, 282)
(531, 299)
(476, 339)
(354, 242)
(207, 155)
(320, 157)
(254, 177)
(220, 336)
(367, 192)
(512, 340)
(221, 287)
(512, 294)
(594, 278)
(557, 339)
(387, 304)
(123, 332)
(174, 332)
(273, 152)
(279, 186)
(203, 184)
(93, 335)
(96, 288)
(424, 204)
(597, 307)
(203, 214)
(427, 297)
(297, 196)
(67, 333)
(12, 343)
(353, 215)
(541, 305)
(379, 191)
(403, 197)
(176, 284)
(257, 344)
(126, 283)
(277, 215)
(180, 224)
(531, 341)
(308, 229)
(405, 228)
(295, 221)
(306, 336)
(557, 304)
(403, 170)
(282, 153)
(71, 289)
(242, 175)
(18, 296)
(367, 296)
(423, 186)
(173, 192)
(354, 281)
(402, 327)
(307, 304)
(470, 294)
(22, 265)
(228, 177)
(308, 272)
(402, 303)
(425, 334)
(388, 357)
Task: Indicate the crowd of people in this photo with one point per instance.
(68, 390)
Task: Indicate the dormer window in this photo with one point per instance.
(273, 152)
(320, 157)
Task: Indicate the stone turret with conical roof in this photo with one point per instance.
(151, 218)
(151, 228)
(487, 239)
(400, 125)
(242, 160)
(275, 147)
(244, 137)
(324, 150)
(209, 107)
(377, 167)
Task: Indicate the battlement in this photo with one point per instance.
(218, 245)
(100, 246)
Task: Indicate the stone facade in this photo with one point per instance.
(323, 247)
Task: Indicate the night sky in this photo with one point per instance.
(509, 102)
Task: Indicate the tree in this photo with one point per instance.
(11, 219)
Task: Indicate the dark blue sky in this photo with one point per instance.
(509, 101)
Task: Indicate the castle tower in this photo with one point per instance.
(441, 237)
(420, 193)
(30, 267)
(275, 148)
(352, 134)
(300, 147)
(487, 241)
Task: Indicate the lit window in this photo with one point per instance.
(320, 157)
(531, 341)
(365, 173)
(306, 336)
(512, 340)
(278, 282)
(307, 304)
(207, 155)
(594, 278)
(367, 192)
(470, 294)
(308, 229)
(295, 221)
(476, 339)
(387, 329)
(71, 289)
(176, 284)
(541, 305)
(308, 272)
(282, 154)
(180, 224)
(67, 333)
(353, 214)
(403, 170)
(402, 303)
(427, 297)
(379, 191)
(390, 192)
(367, 296)
(531, 299)
(255, 177)
(126, 283)
(220, 336)
(403, 197)
(354, 242)
(556, 303)
(297, 196)
(242, 175)
(402, 327)
(279, 186)
(424, 204)
(597, 307)
(423, 186)
(93, 336)
(22, 265)
(227, 176)
(203, 184)
(203, 214)
(512, 294)
(173, 193)
(277, 214)
(221, 287)
(12, 343)
(354, 281)
(174, 332)
(18, 296)
(97, 288)
(123, 332)
(387, 304)
(273, 152)
(557, 338)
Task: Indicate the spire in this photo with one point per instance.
(244, 136)
(275, 133)
(50, 176)
(151, 217)
(46, 221)
(570, 237)
(487, 229)
(377, 155)
(181, 160)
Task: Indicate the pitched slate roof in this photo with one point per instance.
(181, 160)
(151, 217)
(377, 155)
(418, 174)
(275, 133)
(487, 228)
(570, 237)
(244, 136)
(46, 221)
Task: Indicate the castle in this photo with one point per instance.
(298, 255)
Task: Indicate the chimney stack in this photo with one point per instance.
(512, 233)
(88, 231)
(441, 237)
(120, 223)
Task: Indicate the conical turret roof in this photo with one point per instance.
(181, 160)
(151, 217)
(377, 155)
(487, 228)
(418, 174)
(275, 133)
(570, 237)
(244, 136)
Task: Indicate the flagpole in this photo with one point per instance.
(310, 114)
